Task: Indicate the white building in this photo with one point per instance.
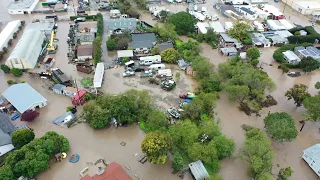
(311, 155)
(248, 14)
(306, 7)
(202, 27)
(291, 57)
(288, 25)
(7, 33)
(26, 53)
(98, 75)
(217, 27)
(22, 6)
(228, 26)
(275, 25)
(23, 97)
(258, 26)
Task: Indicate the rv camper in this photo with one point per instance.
(148, 60)
(156, 67)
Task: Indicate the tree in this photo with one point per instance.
(123, 43)
(184, 22)
(240, 31)
(184, 133)
(193, 110)
(202, 67)
(224, 145)
(298, 93)
(317, 85)
(312, 106)
(177, 163)
(16, 72)
(156, 146)
(257, 152)
(284, 68)
(238, 93)
(22, 137)
(163, 14)
(29, 115)
(170, 55)
(100, 118)
(6, 173)
(281, 126)
(97, 51)
(285, 173)
(208, 102)
(155, 50)
(309, 64)
(253, 53)
(157, 121)
(5, 68)
(254, 62)
(111, 44)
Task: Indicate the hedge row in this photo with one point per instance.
(278, 56)
(309, 38)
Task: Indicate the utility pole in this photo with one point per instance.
(75, 83)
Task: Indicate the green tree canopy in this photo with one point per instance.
(224, 146)
(309, 64)
(257, 152)
(298, 93)
(238, 93)
(170, 55)
(22, 137)
(312, 106)
(155, 50)
(281, 126)
(184, 133)
(253, 53)
(184, 22)
(157, 120)
(240, 31)
(285, 173)
(156, 146)
(111, 44)
(177, 163)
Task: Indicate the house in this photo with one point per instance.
(217, 27)
(112, 172)
(23, 97)
(27, 51)
(309, 51)
(8, 32)
(45, 27)
(60, 77)
(70, 91)
(198, 171)
(288, 25)
(278, 37)
(229, 11)
(85, 38)
(311, 156)
(64, 119)
(291, 57)
(275, 25)
(116, 26)
(274, 12)
(306, 7)
(125, 53)
(58, 88)
(98, 75)
(227, 41)
(202, 27)
(6, 129)
(182, 64)
(260, 40)
(142, 41)
(22, 6)
(247, 13)
(258, 26)
(228, 51)
(84, 52)
(164, 46)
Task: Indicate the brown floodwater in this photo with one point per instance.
(93, 145)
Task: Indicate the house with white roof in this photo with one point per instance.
(217, 27)
(291, 57)
(275, 25)
(312, 156)
(248, 13)
(202, 27)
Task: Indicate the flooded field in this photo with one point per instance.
(93, 145)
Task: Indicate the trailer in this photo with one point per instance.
(84, 68)
(199, 16)
(148, 60)
(49, 63)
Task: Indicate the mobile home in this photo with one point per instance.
(148, 60)
(165, 72)
(156, 67)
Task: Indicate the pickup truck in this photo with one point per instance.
(128, 73)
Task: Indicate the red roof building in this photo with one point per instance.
(112, 172)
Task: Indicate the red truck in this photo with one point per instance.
(78, 99)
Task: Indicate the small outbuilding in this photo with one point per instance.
(70, 91)
(229, 51)
(125, 53)
(98, 75)
(165, 46)
(84, 52)
(6, 128)
(291, 57)
(64, 119)
(58, 88)
(198, 171)
(23, 97)
(311, 155)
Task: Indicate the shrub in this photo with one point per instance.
(170, 55)
(5, 68)
(22, 137)
(111, 44)
(69, 108)
(10, 82)
(16, 72)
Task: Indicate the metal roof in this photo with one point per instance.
(59, 87)
(228, 50)
(45, 27)
(247, 10)
(122, 23)
(22, 96)
(144, 37)
(125, 53)
(64, 118)
(7, 32)
(4, 139)
(141, 44)
(227, 38)
(217, 27)
(6, 125)
(85, 50)
(21, 4)
(291, 56)
(164, 46)
(29, 47)
(311, 155)
(198, 170)
(98, 75)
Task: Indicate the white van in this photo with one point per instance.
(165, 72)
(129, 64)
(156, 67)
(148, 60)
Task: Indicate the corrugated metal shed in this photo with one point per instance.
(198, 170)
(98, 75)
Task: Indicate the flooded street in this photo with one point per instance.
(92, 145)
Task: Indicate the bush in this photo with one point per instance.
(111, 44)
(5, 68)
(5, 50)
(16, 72)
(311, 36)
(10, 82)
(69, 108)
(22, 137)
(170, 55)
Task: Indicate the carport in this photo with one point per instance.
(125, 53)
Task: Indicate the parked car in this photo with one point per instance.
(146, 74)
(137, 69)
(173, 113)
(168, 85)
(188, 95)
(128, 73)
(80, 19)
(15, 116)
(294, 74)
